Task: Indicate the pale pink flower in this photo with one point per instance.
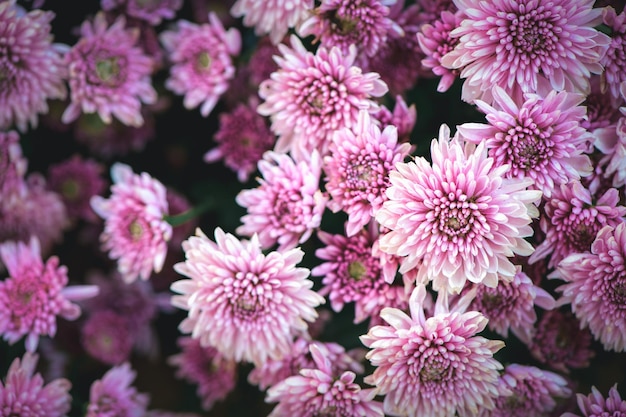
(434, 366)
(23, 392)
(312, 95)
(321, 391)
(31, 66)
(614, 61)
(534, 46)
(246, 304)
(458, 217)
(288, 204)
(202, 61)
(272, 17)
(595, 404)
(113, 395)
(109, 74)
(539, 138)
(107, 337)
(35, 293)
(135, 231)
(152, 12)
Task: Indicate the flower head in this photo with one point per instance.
(595, 404)
(614, 61)
(113, 395)
(107, 337)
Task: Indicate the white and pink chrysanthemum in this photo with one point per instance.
(457, 217)
(23, 392)
(320, 391)
(531, 46)
(246, 304)
(434, 366)
(288, 204)
(114, 395)
(539, 138)
(357, 169)
(31, 66)
(35, 293)
(152, 12)
(595, 404)
(596, 286)
(135, 230)
(313, 95)
(202, 64)
(108, 73)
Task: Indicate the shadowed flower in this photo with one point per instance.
(403, 118)
(151, 11)
(614, 61)
(611, 141)
(113, 395)
(595, 404)
(13, 164)
(246, 304)
(106, 336)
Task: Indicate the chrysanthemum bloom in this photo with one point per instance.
(261, 64)
(248, 305)
(31, 66)
(214, 375)
(320, 391)
(341, 23)
(35, 293)
(614, 61)
(312, 95)
(106, 336)
(541, 138)
(458, 217)
(600, 110)
(560, 343)
(76, 180)
(242, 139)
(113, 395)
(435, 41)
(611, 142)
(403, 118)
(109, 74)
(24, 393)
(201, 58)
(288, 204)
(135, 232)
(534, 393)
(595, 285)
(571, 220)
(275, 371)
(152, 12)
(524, 47)
(595, 404)
(13, 164)
(434, 366)
(357, 169)
(272, 17)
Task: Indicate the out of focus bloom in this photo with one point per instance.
(434, 366)
(113, 395)
(458, 219)
(201, 58)
(614, 61)
(135, 231)
(403, 118)
(23, 392)
(109, 74)
(595, 284)
(288, 204)
(541, 138)
(246, 304)
(152, 12)
(320, 391)
(313, 95)
(595, 404)
(31, 66)
(611, 141)
(13, 164)
(106, 336)
(523, 47)
(35, 293)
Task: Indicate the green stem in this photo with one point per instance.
(192, 213)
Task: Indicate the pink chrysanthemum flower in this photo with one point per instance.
(248, 305)
(534, 393)
(611, 142)
(272, 17)
(242, 139)
(595, 284)
(113, 395)
(614, 61)
(540, 138)
(109, 74)
(107, 337)
(152, 12)
(357, 169)
(214, 375)
(601, 112)
(534, 46)
(135, 232)
(571, 220)
(321, 391)
(261, 64)
(458, 217)
(595, 405)
(35, 293)
(434, 366)
(288, 204)
(403, 118)
(24, 393)
(31, 67)
(201, 57)
(312, 95)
